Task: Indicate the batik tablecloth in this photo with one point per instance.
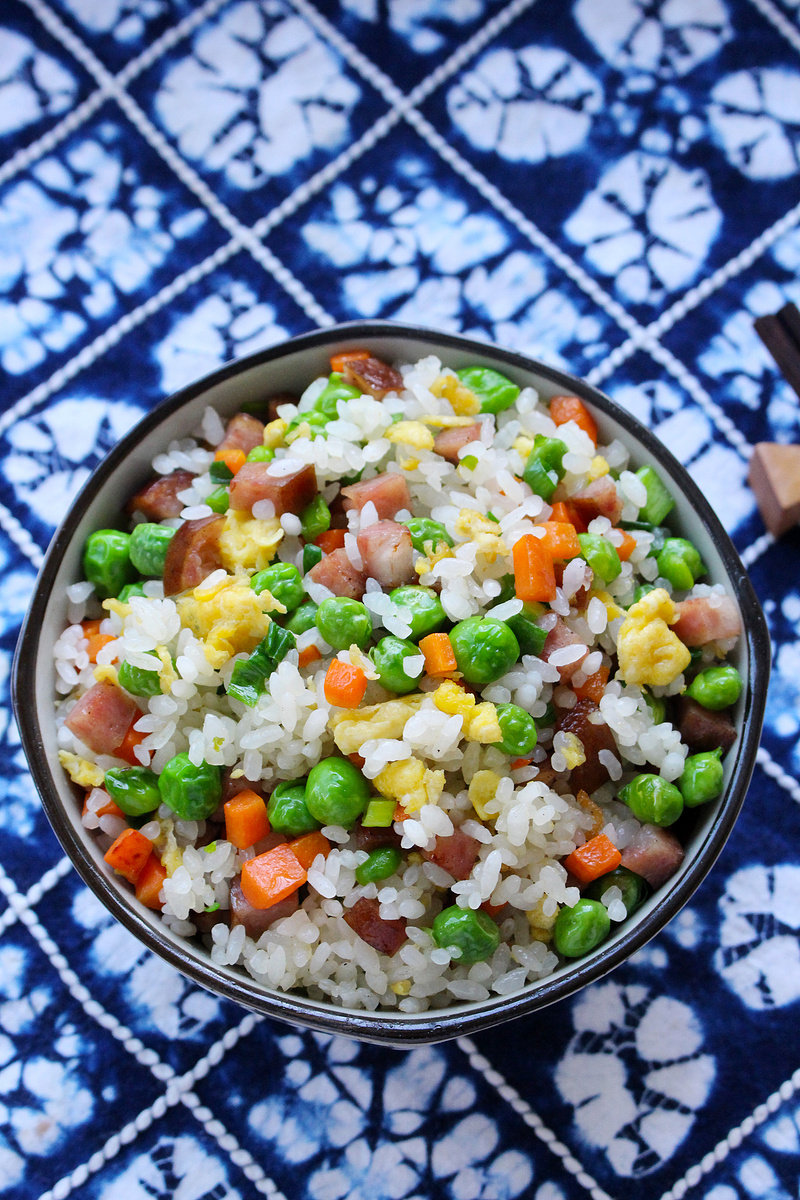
(609, 185)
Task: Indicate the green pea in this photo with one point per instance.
(469, 930)
(192, 791)
(545, 466)
(261, 454)
(283, 581)
(381, 863)
(702, 778)
(303, 618)
(311, 556)
(389, 656)
(679, 562)
(578, 930)
(219, 500)
(601, 556)
(107, 561)
(315, 519)
(134, 789)
(524, 625)
(139, 681)
(131, 589)
(316, 422)
(335, 390)
(379, 814)
(427, 534)
(495, 391)
(343, 622)
(642, 590)
(148, 547)
(633, 887)
(518, 728)
(657, 706)
(420, 608)
(287, 809)
(484, 649)
(659, 500)
(652, 799)
(336, 792)
(716, 687)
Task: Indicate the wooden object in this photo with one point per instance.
(780, 333)
(774, 476)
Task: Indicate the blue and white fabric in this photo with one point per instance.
(610, 185)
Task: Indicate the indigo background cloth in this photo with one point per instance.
(610, 185)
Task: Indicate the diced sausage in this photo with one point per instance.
(448, 443)
(158, 500)
(276, 401)
(102, 717)
(243, 432)
(374, 837)
(364, 918)
(653, 853)
(337, 573)
(600, 498)
(703, 619)
(232, 786)
(257, 920)
(560, 637)
(388, 492)
(193, 553)
(289, 490)
(372, 376)
(456, 853)
(387, 553)
(702, 729)
(591, 774)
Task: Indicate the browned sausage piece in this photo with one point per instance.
(243, 432)
(337, 573)
(102, 717)
(372, 376)
(450, 441)
(598, 499)
(701, 729)
(589, 776)
(703, 619)
(289, 490)
(364, 918)
(455, 853)
(653, 853)
(192, 554)
(559, 637)
(387, 553)
(388, 492)
(158, 499)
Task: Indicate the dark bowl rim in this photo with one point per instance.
(382, 1026)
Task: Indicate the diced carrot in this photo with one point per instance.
(344, 685)
(91, 628)
(340, 361)
(96, 643)
(357, 760)
(439, 655)
(492, 909)
(594, 686)
(574, 517)
(534, 577)
(560, 512)
(233, 457)
(627, 546)
(150, 883)
(560, 540)
(516, 763)
(109, 809)
(570, 408)
(128, 854)
(594, 858)
(400, 813)
(272, 876)
(132, 739)
(246, 820)
(307, 847)
(308, 655)
(330, 540)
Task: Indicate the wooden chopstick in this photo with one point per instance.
(780, 333)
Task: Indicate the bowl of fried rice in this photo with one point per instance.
(392, 684)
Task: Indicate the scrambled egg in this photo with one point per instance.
(649, 652)
(274, 433)
(463, 400)
(572, 750)
(598, 467)
(482, 789)
(107, 674)
(410, 783)
(423, 566)
(483, 531)
(388, 720)
(248, 542)
(86, 774)
(613, 610)
(439, 422)
(167, 846)
(480, 722)
(541, 926)
(523, 445)
(229, 619)
(410, 433)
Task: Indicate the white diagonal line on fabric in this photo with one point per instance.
(187, 175)
(754, 551)
(521, 1107)
(735, 1137)
(777, 773)
(782, 23)
(20, 537)
(36, 892)
(167, 40)
(231, 1146)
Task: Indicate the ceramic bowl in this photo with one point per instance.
(289, 367)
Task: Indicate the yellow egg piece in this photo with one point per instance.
(248, 543)
(388, 720)
(230, 619)
(482, 790)
(648, 651)
(410, 433)
(462, 399)
(86, 774)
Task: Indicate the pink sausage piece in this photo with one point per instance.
(290, 491)
(598, 499)
(388, 492)
(193, 554)
(705, 619)
(243, 432)
(559, 638)
(450, 441)
(364, 918)
(455, 854)
(158, 500)
(337, 573)
(654, 853)
(387, 553)
(102, 717)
